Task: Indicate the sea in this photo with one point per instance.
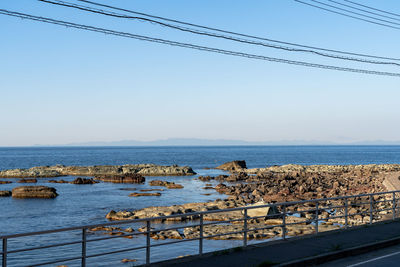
(88, 204)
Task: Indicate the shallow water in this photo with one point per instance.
(88, 204)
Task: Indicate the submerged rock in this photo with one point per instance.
(34, 192)
(145, 194)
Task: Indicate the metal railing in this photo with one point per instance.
(306, 212)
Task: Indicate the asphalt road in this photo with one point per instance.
(384, 257)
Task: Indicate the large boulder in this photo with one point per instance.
(131, 178)
(233, 166)
(263, 211)
(34, 192)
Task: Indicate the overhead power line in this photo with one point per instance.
(363, 10)
(238, 34)
(188, 45)
(372, 8)
(356, 13)
(226, 37)
(346, 15)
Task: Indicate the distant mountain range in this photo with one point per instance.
(221, 142)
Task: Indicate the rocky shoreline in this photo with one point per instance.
(279, 184)
(101, 171)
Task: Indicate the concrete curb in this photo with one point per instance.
(326, 257)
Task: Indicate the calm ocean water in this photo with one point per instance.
(88, 204)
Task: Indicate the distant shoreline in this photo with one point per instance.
(197, 146)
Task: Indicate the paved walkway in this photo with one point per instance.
(285, 251)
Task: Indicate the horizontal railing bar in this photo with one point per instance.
(221, 222)
(194, 214)
(43, 247)
(302, 222)
(174, 242)
(383, 201)
(384, 209)
(332, 207)
(265, 228)
(230, 233)
(56, 261)
(115, 252)
(113, 237)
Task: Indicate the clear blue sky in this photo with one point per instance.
(61, 85)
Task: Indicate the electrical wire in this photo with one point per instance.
(236, 33)
(231, 38)
(332, 11)
(188, 45)
(356, 13)
(380, 10)
(363, 10)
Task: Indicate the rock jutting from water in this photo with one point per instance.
(34, 192)
(104, 170)
(169, 185)
(129, 178)
(233, 166)
(145, 194)
(80, 180)
(5, 193)
(27, 181)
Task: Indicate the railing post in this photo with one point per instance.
(370, 209)
(148, 243)
(316, 217)
(245, 228)
(284, 222)
(394, 205)
(346, 213)
(4, 260)
(201, 236)
(83, 261)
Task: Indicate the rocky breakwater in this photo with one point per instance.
(280, 184)
(34, 192)
(295, 182)
(105, 170)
